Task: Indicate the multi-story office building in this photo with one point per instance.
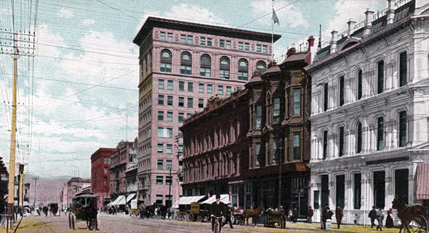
(369, 113)
(100, 175)
(182, 64)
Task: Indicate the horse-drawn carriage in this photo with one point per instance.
(84, 208)
(413, 218)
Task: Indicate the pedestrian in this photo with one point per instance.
(310, 214)
(389, 219)
(380, 217)
(228, 215)
(338, 216)
(326, 214)
(372, 215)
(217, 210)
(295, 214)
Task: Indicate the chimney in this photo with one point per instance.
(272, 63)
(369, 15)
(351, 25)
(310, 42)
(390, 12)
(291, 51)
(334, 41)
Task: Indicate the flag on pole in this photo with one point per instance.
(275, 18)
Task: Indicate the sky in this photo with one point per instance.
(78, 84)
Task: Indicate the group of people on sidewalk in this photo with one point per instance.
(373, 215)
(378, 214)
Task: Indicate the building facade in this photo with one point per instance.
(215, 148)
(75, 185)
(120, 165)
(100, 175)
(182, 64)
(279, 135)
(369, 113)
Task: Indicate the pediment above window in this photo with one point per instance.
(349, 43)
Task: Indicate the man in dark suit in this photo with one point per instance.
(218, 210)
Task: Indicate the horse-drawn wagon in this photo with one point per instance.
(84, 208)
(273, 217)
(198, 213)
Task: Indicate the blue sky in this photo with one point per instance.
(79, 92)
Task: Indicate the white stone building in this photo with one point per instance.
(370, 113)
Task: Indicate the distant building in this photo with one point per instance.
(75, 185)
(182, 65)
(122, 162)
(369, 113)
(100, 175)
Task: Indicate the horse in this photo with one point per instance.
(408, 213)
(253, 213)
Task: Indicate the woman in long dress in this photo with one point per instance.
(389, 219)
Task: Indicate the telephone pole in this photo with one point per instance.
(17, 43)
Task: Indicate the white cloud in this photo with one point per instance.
(288, 14)
(65, 13)
(186, 12)
(346, 10)
(88, 22)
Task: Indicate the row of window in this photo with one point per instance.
(277, 109)
(380, 136)
(181, 101)
(208, 41)
(160, 180)
(169, 148)
(160, 164)
(205, 65)
(190, 87)
(169, 116)
(401, 184)
(380, 73)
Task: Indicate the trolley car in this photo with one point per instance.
(84, 208)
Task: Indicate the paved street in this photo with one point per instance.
(124, 224)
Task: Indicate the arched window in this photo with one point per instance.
(165, 61)
(242, 70)
(186, 63)
(224, 68)
(206, 65)
(261, 66)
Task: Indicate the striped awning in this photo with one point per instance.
(422, 181)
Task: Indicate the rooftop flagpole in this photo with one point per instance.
(275, 19)
(272, 33)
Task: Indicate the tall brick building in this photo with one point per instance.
(100, 175)
(182, 64)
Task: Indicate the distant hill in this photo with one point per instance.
(45, 190)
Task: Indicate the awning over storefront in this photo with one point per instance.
(223, 198)
(422, 181)
(188, 200)
(130, 197)
(119, 201)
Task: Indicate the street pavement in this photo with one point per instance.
(121, 223)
